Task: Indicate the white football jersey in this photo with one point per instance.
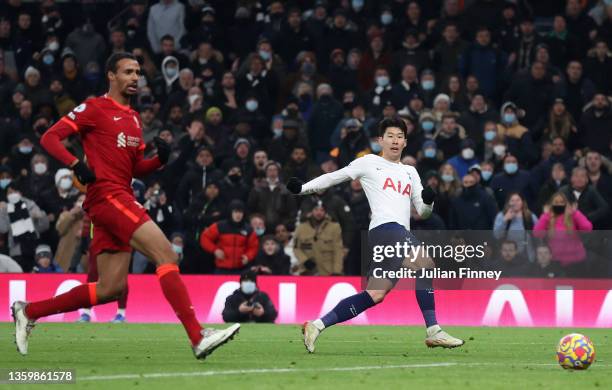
(390, 188)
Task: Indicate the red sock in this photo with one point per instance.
(178, 297)
(79, 297)
(122, 302)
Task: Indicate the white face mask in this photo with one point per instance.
(499, 150)
(53, 46)
(192, 99)
(13, 197)
(40, 168)
(467, 153)
(248, 287)
(65, 183)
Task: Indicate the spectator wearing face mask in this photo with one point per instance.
(429, 157)
(271, 260)
(40, 182)
(273, 200)
(381, 92)
(516, 137)
(465, 159)
(45, 263)
(248, 303)
(63, 197)
(24, 221)
(473, 209)
(428, 123)
(22, 155)
(558, 225)
(354, 143)
(512, 179)
(449, 188)
(69, 227)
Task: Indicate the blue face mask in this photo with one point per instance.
(266, 55)
(428, 85)
(171, 72)
(382, 81)
(248, 287)
(386, 18)
(25, 149)
(510, 168)
(509, 118)
(260, 231)
(490, 135)
(357, 4)
(375, 146)
(177, 249)
(486, 175)
(427, 125)
(252, 105)
(5, 183)
(48, 59)
(429, 153)
(447, 178)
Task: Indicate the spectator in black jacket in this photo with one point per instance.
(200, 173)
(271, 260)
(248, 303)
(325, 115)
(599, 177)
(575, 89)
(595, 130)
(590, 202)
(473, 209)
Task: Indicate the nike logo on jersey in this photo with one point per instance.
(116, 118)
(403, 190)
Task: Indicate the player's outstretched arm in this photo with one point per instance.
(320, 183)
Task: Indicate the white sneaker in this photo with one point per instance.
(23, 326)
(214, 338)
(311, 333)
(436, 337)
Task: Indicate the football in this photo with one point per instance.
(575, 352)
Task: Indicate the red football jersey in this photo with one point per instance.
(111, 135)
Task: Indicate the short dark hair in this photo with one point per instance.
(113, 60)
(394, 121)
(167, 37)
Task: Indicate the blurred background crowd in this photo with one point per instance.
(508, 106)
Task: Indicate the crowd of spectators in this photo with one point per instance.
(508, 108)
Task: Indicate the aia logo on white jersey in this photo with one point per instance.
(397, 187)
(121, 140)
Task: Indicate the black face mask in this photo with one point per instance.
(469, 191)
(235, 178)
(558, 209)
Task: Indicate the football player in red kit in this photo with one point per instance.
(111, 134)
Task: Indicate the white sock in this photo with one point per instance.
(86, 311)
(318, 324)
(121, 311)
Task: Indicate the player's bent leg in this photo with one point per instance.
(112, 282)
(151, 241)
(346, 309)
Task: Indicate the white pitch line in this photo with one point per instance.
(255, 371)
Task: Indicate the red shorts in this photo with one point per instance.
(115, 218)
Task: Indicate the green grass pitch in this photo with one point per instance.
(157, 356)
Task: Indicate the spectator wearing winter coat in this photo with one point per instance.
(271, 260)
(272, 200)
(515, 222)
(594, 130)
(318, 245)
(69, 227)
(575, 89)
(45, 263)
(24, 221)
(559, 225)
(516, 137)
(473, 209)
(512, 179)
(326, 113)
(463, 161)
(165, 17)
(556, 179)
(248, 303)
(589, 200)
(232, 241)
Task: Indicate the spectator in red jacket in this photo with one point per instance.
(232, 241)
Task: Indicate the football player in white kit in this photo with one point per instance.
(391, 187)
